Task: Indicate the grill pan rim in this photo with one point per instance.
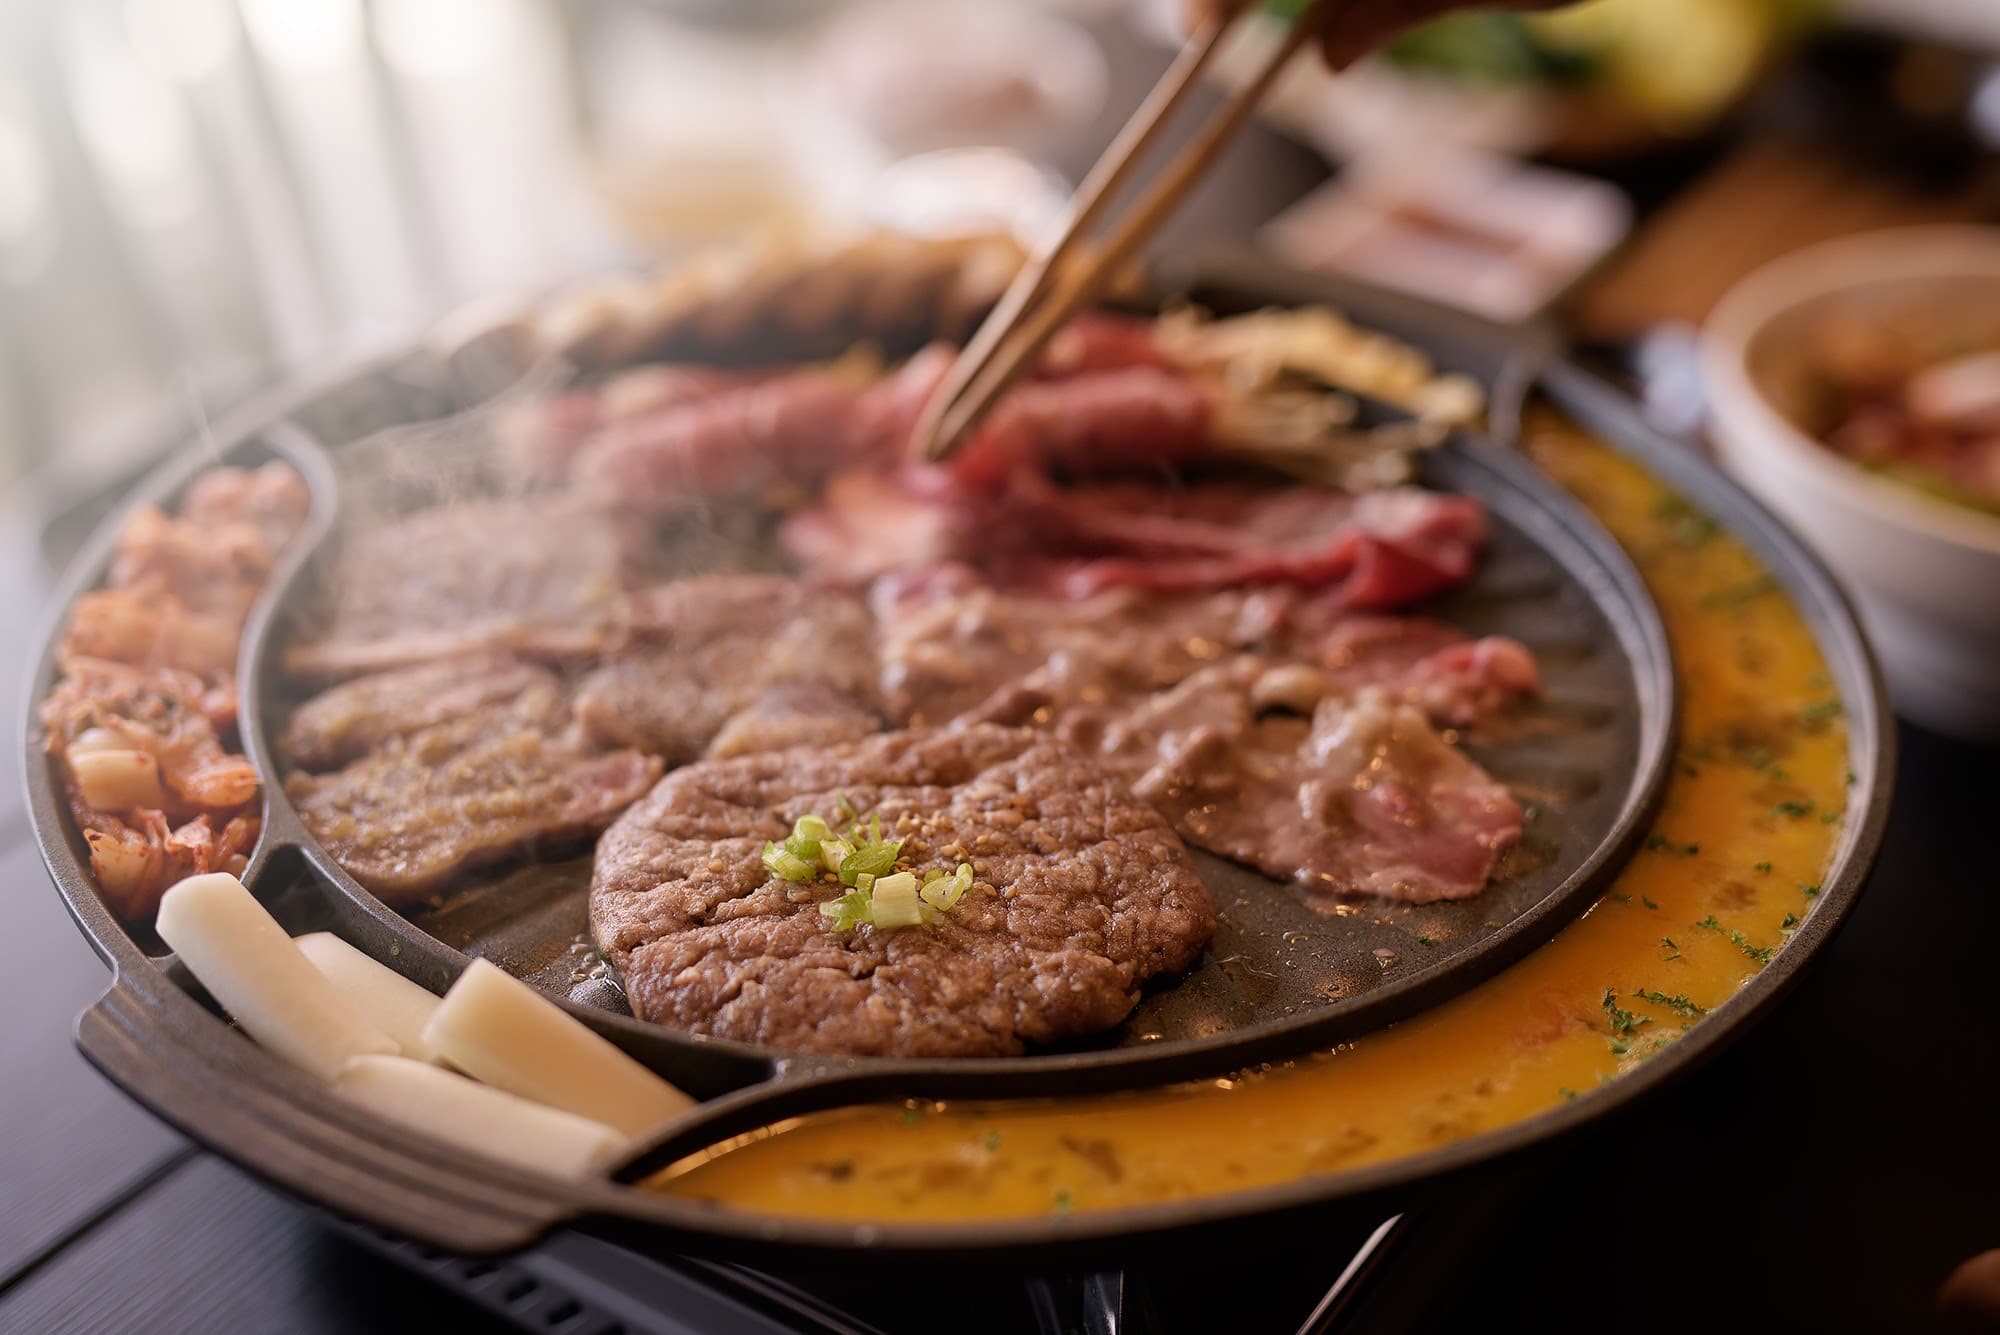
(603, 1207)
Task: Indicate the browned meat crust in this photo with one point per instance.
(347, 721)
(499, 779)
(708, 649)
(1082, 893)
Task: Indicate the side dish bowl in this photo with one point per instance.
(1925, 570)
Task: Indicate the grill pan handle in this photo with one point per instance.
(213, 1084)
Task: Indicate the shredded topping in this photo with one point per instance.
(878, 894)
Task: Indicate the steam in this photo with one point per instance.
(475, 454)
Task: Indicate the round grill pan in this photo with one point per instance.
(1591, 769)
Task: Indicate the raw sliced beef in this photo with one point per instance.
(791, 429)
(701, 438)
(1081, 894)
(1134, 418)
(1381, 550)
(541, 438)
(1101, 341)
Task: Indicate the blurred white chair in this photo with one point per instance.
(201, 196)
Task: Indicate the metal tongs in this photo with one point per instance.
(1049, 290)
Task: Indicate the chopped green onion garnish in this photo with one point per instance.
(849, 911)
(786, 864)
(807, 832)
(943, 894)
(895, 902)
(865, 862)
(877, 857)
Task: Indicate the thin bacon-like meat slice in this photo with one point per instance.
(752, 433)
(868, 524)
(784, 429)
(1102, 341)
(1382, 549)
(540, 438)
(796, 429)
(1378, 551)
(543, 437)
(1464, 683)
(707, 649)
(1095, 424)
(345, 722)
(803, 427)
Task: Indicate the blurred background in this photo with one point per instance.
(202, 197)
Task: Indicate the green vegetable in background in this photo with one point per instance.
(1489, 47)
(1677, 63)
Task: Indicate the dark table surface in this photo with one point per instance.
(1825, 1173)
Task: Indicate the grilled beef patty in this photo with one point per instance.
(1081, 893)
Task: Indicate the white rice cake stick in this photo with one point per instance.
(478, 1118)
(373, 990)
(496, 1028)
(245, 960)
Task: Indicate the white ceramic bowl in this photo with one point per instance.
(1925, 572)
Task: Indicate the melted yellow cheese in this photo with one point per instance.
(1748, 824)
